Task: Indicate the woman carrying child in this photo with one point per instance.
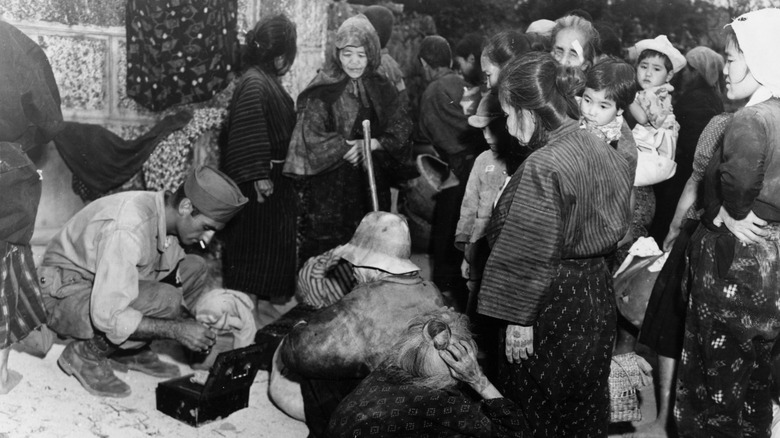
(564, 209)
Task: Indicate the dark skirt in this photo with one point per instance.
(259, 254)
(563, 388)
(21, 303)
(663, 328)
(332, 205)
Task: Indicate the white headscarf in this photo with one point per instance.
(758, 33)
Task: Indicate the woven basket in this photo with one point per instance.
(624, 378)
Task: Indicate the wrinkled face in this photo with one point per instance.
(519, 123)
(353, 60)
(740, 83)
(651, 72)
(566, 52)
(597, 109)
(490, 70)
(190, 229)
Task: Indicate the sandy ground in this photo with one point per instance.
(48, 403)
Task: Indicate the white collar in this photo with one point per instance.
(762, 94)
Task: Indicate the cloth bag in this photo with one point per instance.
(655, 155)
(625, 376)
(634, 280)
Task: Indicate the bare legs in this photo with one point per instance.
(8, 378)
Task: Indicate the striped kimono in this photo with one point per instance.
(564, 209)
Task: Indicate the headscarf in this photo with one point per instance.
(356, 31)
(758, 32)
(707, 62)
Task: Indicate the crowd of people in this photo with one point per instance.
(564, 153)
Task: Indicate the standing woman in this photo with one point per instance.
(565, 208)
(733, 315)
(259, 243)
(326, 148)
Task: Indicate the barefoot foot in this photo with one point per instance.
(11, 381)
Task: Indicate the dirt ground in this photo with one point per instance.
(48, 403)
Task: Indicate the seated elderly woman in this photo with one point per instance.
(429, 384)
(342, 343)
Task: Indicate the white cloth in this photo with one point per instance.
(661, 44)
(758, 33)
(226, 310)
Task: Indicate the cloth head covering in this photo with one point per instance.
(757, 33)
(357, 31)
(213, 193)
(542, 27)
(489, 109)
(382, 19)
(435, 50)
(381, 241)
(707, 62)
(661, 44)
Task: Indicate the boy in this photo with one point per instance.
(656, 130)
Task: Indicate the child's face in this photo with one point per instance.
(490, 70)
(490, 138)
(597, 109)
(651, 72)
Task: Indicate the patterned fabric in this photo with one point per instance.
(656, 102)
(385, 406)
(732, 324)
(21, 304)
(569, 199)
(179, 52)
(259, 253)
(563, 388)
(610, 132)
(324, 280)
(171, 160)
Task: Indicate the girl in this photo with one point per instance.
(565, 208)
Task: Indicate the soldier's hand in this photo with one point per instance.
(194, 335)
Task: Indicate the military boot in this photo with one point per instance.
(87, 362)
(144, 360)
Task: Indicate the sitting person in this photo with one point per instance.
(115, 277)
(430, 384)
(348, 339)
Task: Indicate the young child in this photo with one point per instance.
(488, 175)
(657, 129)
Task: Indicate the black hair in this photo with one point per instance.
(536, 82)
(505, 45)
(435, 50)
(271, 38)
(650, 53)
(470, 44)
(610, 43)
(615, 76)
(508, 148)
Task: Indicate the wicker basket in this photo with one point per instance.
(624, 378)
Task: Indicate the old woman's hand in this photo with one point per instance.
(461, 359)
(355, 154)
(519, 342)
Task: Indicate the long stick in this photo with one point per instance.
(370, 163)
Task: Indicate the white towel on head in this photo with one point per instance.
(758, 33)
(228, 310)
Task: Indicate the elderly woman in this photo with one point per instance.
(419, 390)
(734, 306)
(565, 208)
(259, 243)
(326, 148)
(574, 42)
